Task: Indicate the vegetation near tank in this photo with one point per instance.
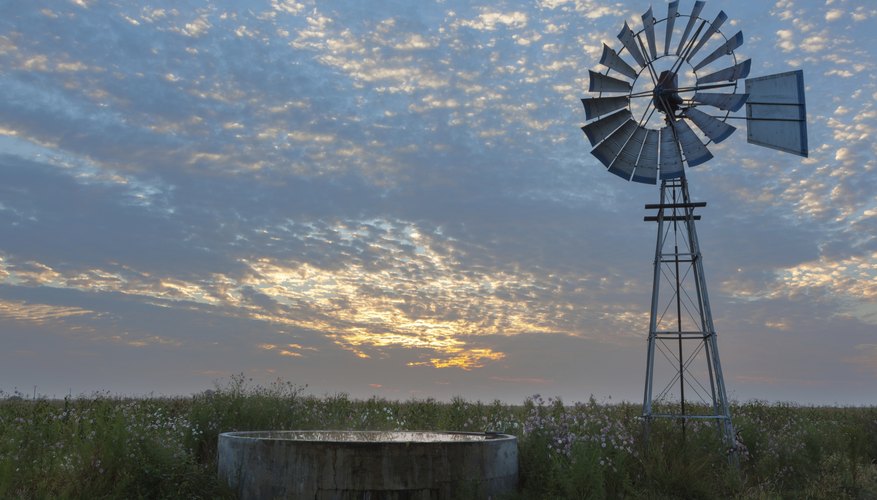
(110, 446)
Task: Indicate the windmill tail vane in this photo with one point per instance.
(654, 109)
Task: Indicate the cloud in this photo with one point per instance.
(834, 14)
(196, 28)
(287, 6)
(490, 20)
(39, 314)
(399, 195)
(854, 277)
(785, 40)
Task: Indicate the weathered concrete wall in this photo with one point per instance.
(297, 464)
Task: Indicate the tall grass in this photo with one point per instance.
(103, 446)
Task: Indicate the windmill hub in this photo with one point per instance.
(666, 95)
(661, 88)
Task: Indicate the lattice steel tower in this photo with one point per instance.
(681, 329)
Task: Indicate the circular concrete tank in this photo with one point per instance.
(368, 464)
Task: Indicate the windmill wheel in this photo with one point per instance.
(638, 121)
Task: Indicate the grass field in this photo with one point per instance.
(104, 446)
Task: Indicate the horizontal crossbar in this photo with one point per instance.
(654, 218)
(696, 204)
(675, 260)
(685, 335)
(688, 417)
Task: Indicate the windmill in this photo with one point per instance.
(655, 110)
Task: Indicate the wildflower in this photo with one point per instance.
(739, 447)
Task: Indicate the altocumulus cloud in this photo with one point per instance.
(398, 197)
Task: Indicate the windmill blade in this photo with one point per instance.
(628, 39)
(647, 164)
(731, 74)
(712, 30)
(726, 48)
(712, 127)
(649, 27)
(613, 61)
(725, 102)
(598, 106)
(602, 128)
(694, 150)
(671, 157)
(695, 11)
(609, 151)
(603, 83)
(624, 165)
(672, 12)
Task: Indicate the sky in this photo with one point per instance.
(395, 199)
